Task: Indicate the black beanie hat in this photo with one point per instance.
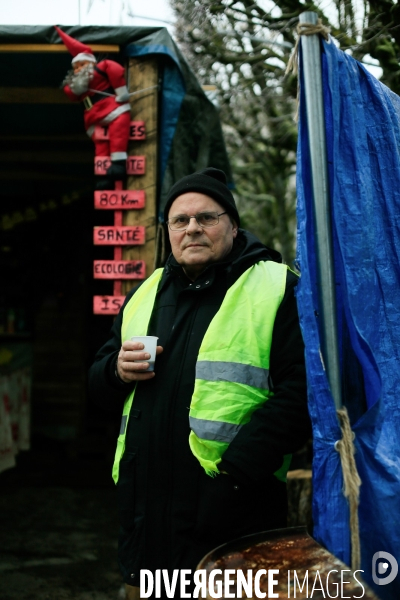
(211, 182)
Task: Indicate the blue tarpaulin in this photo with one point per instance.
(362, 120)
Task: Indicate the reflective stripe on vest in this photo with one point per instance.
(135, 321)
(232, 371)
(214, 430)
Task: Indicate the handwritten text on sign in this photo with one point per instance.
(119, 199)
(118, 236)
(137, 131)
(135, 165)
(119, 269)
(107, 305)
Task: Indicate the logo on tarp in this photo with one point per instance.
(384, 563)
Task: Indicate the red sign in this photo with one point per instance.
(107, 305)
(137, 131)
(120, 199)
(101, 164)
(119, 269)
(119, 236)
(135, 165)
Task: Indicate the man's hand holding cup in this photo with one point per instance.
(137, 357)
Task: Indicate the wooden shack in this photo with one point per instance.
(47, 213)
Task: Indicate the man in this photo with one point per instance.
(102, 90)
(202, 454)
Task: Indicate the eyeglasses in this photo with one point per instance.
(204, 219)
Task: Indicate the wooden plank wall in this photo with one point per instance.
(143, 74)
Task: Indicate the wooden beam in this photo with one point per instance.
(142, 74)
(25, 175)
(49, 157)
(73, 137)
(299, 490)
(31, 95)
(54, 48)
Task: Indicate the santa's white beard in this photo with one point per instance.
(79, 82)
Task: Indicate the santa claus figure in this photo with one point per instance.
(101, 87)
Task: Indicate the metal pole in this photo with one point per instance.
(310, 45)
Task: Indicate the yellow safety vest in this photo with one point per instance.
(232, 369)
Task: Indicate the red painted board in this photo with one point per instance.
(101, 164)
(119, 199)
(117, 286)
(135, 165)
(126, 235)
(137, 131)
(100, 133)
(118, 218)
(119, 269)
(107, 305)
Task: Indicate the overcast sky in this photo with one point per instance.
(85, 12)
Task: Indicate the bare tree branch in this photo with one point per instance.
(242, 48)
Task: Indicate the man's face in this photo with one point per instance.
(196, 247)
(79, 64)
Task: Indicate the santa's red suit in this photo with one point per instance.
(99, 109)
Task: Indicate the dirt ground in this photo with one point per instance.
(59, 526)
(58, 530)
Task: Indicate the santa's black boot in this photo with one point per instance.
(117, 170)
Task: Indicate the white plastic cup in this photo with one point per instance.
(150, 345)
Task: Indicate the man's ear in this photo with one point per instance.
(234, 227)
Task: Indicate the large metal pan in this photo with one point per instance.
(294, 554)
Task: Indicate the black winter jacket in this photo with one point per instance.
(171, 512)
